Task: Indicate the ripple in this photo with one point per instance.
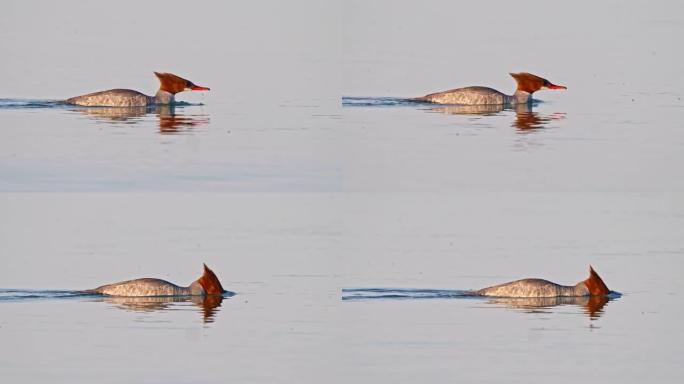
(401, 293)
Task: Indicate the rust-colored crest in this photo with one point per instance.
(595, 285)
(210, 283)
(172, 83)
(528, 82)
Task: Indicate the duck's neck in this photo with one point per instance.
(580, 289)
(164, 98)
(519, 97)
(196, 289)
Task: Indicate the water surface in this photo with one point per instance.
(347, 221)
(241, 178)
(445, 199)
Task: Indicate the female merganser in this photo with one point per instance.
(593, 286)
(170, 84)
(208, 284)
(527, 85)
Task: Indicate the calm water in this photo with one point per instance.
(349, 223)
(92, 196)
(445, 199)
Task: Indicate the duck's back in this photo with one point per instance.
(142, 287)
(528, 288)
(467, 96)
(113, 98)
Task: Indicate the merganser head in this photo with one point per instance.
(210, 283)
(595, 285)
(530, 83)
(173, 84)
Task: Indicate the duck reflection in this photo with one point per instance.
(526, 119)
(593, 306)
(171, 122)
(208, 305)
(171, 118)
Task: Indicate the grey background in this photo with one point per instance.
(289, 197)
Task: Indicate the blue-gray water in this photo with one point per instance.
(401, 293)
(348, 221)
(92, 196)
(448, 200)
(26, 294)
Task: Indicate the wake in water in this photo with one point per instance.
(30, 103)
(172, 118)
(593, 306)
(402, 293)
(32, 294)
(38, 104)
(348, 101)
(208, 306)
(526, 120)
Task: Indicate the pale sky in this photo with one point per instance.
(381, 47)
(239, 49)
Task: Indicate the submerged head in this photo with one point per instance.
(210, 283)
(595, 285)
(530, 83)
(173, 84)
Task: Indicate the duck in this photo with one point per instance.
(592, 286)
(527, 85)
(169, 86)
(208, 284)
